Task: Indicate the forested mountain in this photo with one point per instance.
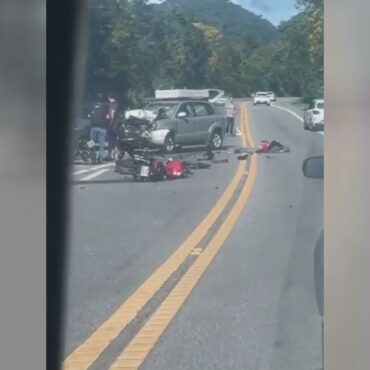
(232, 20)
(136, 47)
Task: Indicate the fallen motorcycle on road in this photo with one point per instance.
(144, 167)
(84, 148)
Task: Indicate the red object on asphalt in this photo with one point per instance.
(175, 169)
(264, 146)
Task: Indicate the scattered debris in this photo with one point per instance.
(209, 155)
(272, 147)
(243, 157)
(264, 147)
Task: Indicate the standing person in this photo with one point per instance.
(99, 120)
(230, 116)
(112, 121)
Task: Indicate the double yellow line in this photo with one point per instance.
(138, 349)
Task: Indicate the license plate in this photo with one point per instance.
(91, 143)
(144, 171)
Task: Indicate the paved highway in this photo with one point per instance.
(254, 307)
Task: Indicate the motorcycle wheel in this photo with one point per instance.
(85, 156)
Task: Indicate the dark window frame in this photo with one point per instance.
(207, 108)
(184, 105)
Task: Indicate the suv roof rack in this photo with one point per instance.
(181, 94)
(178, 99)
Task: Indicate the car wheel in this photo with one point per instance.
(305, 127)
(169, 144)
(215, 141)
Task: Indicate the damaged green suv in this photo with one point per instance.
(185, 122)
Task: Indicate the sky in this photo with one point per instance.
(273, 10)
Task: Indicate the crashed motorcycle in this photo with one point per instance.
(84, 148)
(142, 167)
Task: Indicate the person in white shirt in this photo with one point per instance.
(230, 116)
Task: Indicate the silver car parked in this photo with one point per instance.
(186, 122)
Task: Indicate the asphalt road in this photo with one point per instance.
(121, 231)
(256, 306)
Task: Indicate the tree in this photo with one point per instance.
(136, 47)
(315, 11)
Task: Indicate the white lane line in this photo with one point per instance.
(93, 169)
(289, 111)
(294, 114)
(95, 174)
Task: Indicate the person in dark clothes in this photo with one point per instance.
(99, 122)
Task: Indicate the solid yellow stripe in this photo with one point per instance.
(84, 355)
(132, 356)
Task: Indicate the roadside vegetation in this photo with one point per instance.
(136, 47)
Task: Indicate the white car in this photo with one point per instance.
(314, 116)
(262, 98)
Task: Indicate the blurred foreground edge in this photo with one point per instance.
(314, 167)
(66, 31)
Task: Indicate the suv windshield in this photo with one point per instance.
(320, 105)
(167, 107)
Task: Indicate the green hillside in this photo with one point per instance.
(232, 20)
(136, 47)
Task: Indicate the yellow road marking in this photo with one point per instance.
(247, 129)
(134, 356)
(85, 354)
